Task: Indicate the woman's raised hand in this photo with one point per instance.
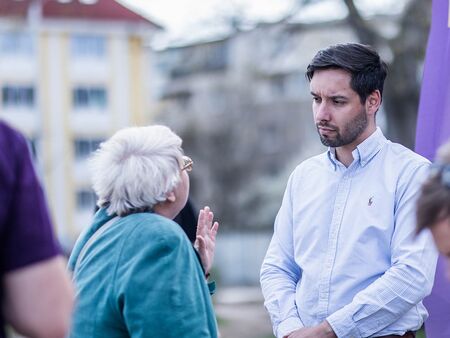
(205, 241)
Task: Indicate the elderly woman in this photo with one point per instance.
(433, 205)
(136, 272)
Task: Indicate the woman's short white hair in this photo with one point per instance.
(136, 168)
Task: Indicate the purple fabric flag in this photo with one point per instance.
(433, 129)
(433, 123)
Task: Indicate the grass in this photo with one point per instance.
(221, 321)
(421, 334)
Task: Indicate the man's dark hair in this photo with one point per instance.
(365, 66)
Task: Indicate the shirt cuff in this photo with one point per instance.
(342, 324)
(288, 325)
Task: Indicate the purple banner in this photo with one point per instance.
(433, 124)
(433, 129)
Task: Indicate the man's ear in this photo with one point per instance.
(373, 102)
(171, 197)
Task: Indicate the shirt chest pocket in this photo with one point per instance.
(369, 216)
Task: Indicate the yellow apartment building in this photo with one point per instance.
(71, 73)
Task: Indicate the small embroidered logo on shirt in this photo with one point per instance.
(370, 201)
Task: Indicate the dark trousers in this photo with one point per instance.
(408, 334)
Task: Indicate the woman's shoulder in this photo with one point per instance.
(155, 227)
(152, 239)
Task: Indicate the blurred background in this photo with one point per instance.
(227, 76)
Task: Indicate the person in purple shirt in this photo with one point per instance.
(36, 293)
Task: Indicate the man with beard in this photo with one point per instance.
(343, 260)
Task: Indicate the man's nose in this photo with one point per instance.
(322, 112)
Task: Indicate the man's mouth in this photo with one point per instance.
(326, 129)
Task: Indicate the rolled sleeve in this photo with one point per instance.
(343, 325)
(288, 325)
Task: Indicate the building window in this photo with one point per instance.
(182, 99)
(202, 58)
(84, 147)
(18, 96)
(16, 43)
(270, 140)
(89, 98)
(88, 46)
(278, 84)
(86, 200)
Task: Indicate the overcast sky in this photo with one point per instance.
(190, 17)
(178, 15)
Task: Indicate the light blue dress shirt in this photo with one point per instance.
(344, 247)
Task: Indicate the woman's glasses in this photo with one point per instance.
(187, 163)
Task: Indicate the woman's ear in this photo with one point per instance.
(171, 197)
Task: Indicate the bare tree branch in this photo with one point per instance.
(403, 83)
(364, 32)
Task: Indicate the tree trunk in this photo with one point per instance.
(402, 87)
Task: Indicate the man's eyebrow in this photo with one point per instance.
(341, 97)
(334, 97)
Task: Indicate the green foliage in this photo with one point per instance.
(421, 334)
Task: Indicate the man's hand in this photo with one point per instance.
(205, 242)
(322, 330)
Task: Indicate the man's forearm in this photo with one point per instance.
(383, 302)
(327, 330)
(323, 330)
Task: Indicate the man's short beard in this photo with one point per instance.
(351, 131)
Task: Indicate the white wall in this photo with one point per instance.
(239, 256)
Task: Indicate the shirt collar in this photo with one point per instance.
(364, 151)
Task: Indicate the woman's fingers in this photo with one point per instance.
(214, 228)
(201, 217)
(205, 219)
(201, 224)
(201, 245)
(210, 216)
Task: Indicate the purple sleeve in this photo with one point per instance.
(26, 234)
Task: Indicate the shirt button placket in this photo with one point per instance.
(324, 284)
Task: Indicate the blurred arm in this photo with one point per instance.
(38, 299)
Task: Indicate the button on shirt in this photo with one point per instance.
(344, 247)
